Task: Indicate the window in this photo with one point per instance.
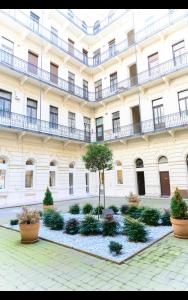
(8, 47)
(31, 110)
(85, 89)
(139, 163)
(85, 56)
(153, 61)
(71, 165)
(54, 35)
(131, 37)
(71, 178)
(158, 113)
(54, 73)
(70, 14)
(52, 174)
(183, 101)
(29, 174)
(34, 24)
(87, 182)
(111, 16)
(187, 162)
(96, 27)
(32, 62)
(178, 50)
(116, 122)
(111, 46)
(71, 46)
(71, 82)
(3, 170)
(113, 82)
(53, 117)
(5, 103)
(87, 129)
(163, 160)
(99, 129)
(84, 26)
(119, 172)
(98, 89)
(97, 57)
(72, 122)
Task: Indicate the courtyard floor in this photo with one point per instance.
(48, 266)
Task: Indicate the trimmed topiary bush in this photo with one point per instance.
(48, 199)
(90, 226)
(47, 217)
(110, 227)
(87, 209)
(74, 209)
(72, 226)
(135, 230)
(98, 208)
(57, 221)
(179, 208)
(124, 209)
(115, 247)
(165, 218)
(135, 212)
(14, 222)
(114, 208)
(150, 216)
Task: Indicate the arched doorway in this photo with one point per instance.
(140, 176)
(164, 176)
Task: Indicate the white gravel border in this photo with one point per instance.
(98, 245)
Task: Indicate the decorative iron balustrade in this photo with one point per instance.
(25, 123)
(19, 65)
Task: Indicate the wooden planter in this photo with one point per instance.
(29, 233)
(46, 207)
(180, 228)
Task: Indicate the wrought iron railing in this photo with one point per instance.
(25, 123)
(19, 65)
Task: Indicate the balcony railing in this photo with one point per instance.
(166, 122)
(25, 123)
(19, 65)
(139, 36)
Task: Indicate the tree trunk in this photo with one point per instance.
(104, 190)
(99, 193)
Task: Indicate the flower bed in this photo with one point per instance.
(98, 245)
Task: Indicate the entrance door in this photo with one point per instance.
(141, 183)
(165, 183)
(71, 190)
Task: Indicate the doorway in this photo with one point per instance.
(141, 183)
(136, 119)
(165, 183)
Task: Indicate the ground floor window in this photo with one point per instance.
(29, 179)
(52, 178)
(2, 179)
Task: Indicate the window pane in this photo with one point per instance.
(119, 177)
(52, 178)
(29, 179)
(2, 179)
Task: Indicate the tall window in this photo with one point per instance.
(112, 45)
(99, 129)
(71, 178)
(116, 122)
(31, 110)
(183, 101)
(8, 47)
(87, 129)
(72, 122)
(54, 73)
(187, 162)
(5, 103)
(85, 89)
(32, 62)
(3, 170)
(85, 56)
(71, 46)
(98, 89)
(97, 57)
(96, 27)
(119, 172)
(153, 61)
(113, 82)
(29, 173)
(52, 174)
(34, 22)
(84, 26)
(178, 49)
(87, 182)
(131, 37)
(158, 113)
(71, 82)
(111, 16)
(54, 35)
(53, 117)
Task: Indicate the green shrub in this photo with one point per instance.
(135, 230)
(48, 199)
(124, 209)
(90, 226)
(47, 217)
(179, 208)
(110, 227)
(165, 218)
(41, 213)
(14, 222)
(115, 247)
(114, 208)
(135, 212)
(87, 209)
(57, 221)
(150, 216)
(98, 208)
(72, 226)
(74, 209)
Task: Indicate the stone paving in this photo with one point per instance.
(47, 266)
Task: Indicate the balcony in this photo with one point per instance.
(148, 127)
(18, 122)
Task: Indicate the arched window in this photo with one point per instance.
(163, 160)
(29, 173)
(139, 163)
(71, 165)
(96, 27)
(52, 174)
(119, 172)
(3, 173)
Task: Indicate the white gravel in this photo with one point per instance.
(98, 245)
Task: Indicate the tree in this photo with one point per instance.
(48, 199)
(98, 158)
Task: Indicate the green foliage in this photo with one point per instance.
(48, 199)
(135, 212)
(74, 209)
(110, 227)
(165, 217)
(14, 222)
(41, 213)
(72, 226)
(90, 226)
(179, 208)
(99, 209)
(124, 209)
(57, 221)
(87, 209)
(48, 217)
(115, 247)
(150, 216)
(135, 230)
(114, 208)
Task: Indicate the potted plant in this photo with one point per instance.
(29, 224)
(133, 200)
(48, 200)
(179, 215)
